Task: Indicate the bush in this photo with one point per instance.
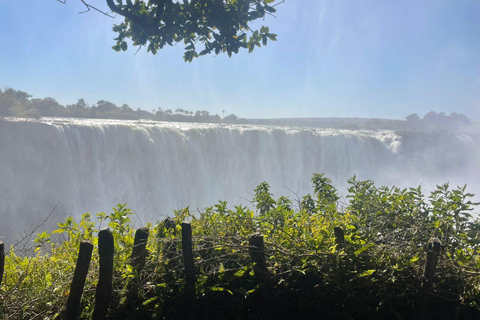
(377, 274)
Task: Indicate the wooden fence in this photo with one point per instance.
(139, 253)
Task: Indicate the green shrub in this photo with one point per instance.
(376, 275)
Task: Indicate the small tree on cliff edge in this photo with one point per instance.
(204, 26)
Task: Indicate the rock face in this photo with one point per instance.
(91, 165)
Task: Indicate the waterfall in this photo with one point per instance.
(89, 165)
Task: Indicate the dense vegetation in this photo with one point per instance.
(16, 103)
(376, 275)
(433, 120)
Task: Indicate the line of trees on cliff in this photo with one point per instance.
(433, 120)
(16, 103)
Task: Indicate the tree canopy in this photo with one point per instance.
(204, 26)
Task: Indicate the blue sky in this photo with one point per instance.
(337, 58)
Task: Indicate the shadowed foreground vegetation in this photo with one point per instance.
(376, 272)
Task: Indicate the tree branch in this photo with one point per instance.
(92, 7)
(125, 14)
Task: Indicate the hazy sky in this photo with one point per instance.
(366, 58)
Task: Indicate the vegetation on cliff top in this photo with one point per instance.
(16, 103)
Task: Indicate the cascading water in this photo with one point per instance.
(91, 165)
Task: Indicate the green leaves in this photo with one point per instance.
(366, 273)
(41, 240)
(380, 263)
(223, 26)
(324, 191)
(189, 55)
(263, 198)
(363, 249)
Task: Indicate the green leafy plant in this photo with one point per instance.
(376, 273)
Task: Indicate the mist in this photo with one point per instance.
(80, 165)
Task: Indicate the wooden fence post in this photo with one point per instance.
(190, 295)
(169, 223)
(2, 260)
(104, 286)
(78, 282)
(433, 252)
(257, 253)
(339, 238)
(139, 252)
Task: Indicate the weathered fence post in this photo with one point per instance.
(78, 282)
(190, 296)
(139, 252)
(339, 238)
(433, 252)
(2, 260)
(104, 286)
(169, 223)
(257, 253)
